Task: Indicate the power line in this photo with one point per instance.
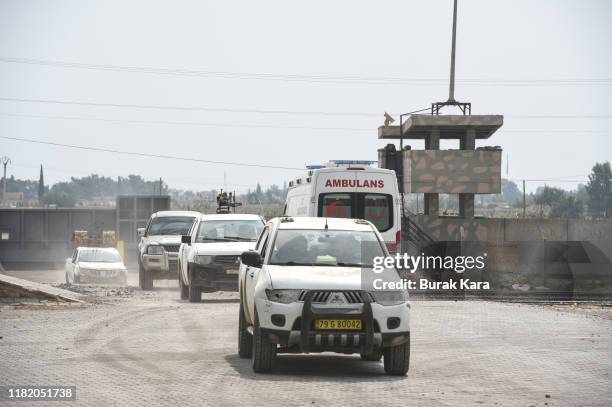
(269, 126)
(350, 79)
(134, 153)
(231, 125)
(261, 111)
(190, 108)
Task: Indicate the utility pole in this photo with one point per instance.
(5, 161)
(451, 90)
(524, 201)
(160, 185)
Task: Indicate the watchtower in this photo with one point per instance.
(465, 171)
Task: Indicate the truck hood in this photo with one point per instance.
(315, 277)
(101, 266)
(216, 248)
(165, 239)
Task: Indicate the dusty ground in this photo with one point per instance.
(138, 348)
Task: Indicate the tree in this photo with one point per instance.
(548, 197)
(568, 207)
(41, 184)
(599, 190)
(510, 191)
(59, 198)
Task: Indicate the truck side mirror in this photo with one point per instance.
(252, 259)
(140, 232)
(186, 239)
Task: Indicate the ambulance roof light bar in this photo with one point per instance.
(350, 162)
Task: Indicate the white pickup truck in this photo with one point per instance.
(209, 256)
(159, 245)
(307, 288)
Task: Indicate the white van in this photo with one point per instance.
(349, 189)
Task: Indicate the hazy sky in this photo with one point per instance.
(538, 42)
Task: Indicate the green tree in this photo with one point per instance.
(599, 190)
(41, 184)
(567, 207)
(59, 198)
(510, 191)
(548, 197)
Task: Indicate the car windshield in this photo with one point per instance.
(342, 248)
(99, 256)
(170, 225)
(229, 230)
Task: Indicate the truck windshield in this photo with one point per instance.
(99, 256)
(229, 230)
(342, 248)
(376, 208)
(170, 225)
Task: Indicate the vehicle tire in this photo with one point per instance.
(245, 339)
(194, 293)
(145, 279)
(264, 351)
(183, 287)
(397, 359)
(372, 357)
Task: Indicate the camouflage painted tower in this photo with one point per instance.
(466, 171)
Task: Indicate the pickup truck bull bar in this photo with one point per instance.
(364, 339)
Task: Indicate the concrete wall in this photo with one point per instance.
(44, 235)
(561, 258)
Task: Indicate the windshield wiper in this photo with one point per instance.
(343, 264)
(219, 239)
(241, 238)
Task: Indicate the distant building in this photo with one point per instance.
(18, 200)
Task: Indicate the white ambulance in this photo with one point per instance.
(349, 189)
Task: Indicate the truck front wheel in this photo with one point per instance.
(397, 359)
(245, 339)
(183, 287)
(194, 293)
(264, 351)
(145, 279)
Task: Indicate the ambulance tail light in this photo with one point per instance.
(394, 246)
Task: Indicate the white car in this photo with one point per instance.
(307, 288)
(95, 264)
(209, 257)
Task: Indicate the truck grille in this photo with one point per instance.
(172, 265)
(172, 248)
(352, 297)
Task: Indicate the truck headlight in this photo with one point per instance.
(283, 296)
(155, 249)
(389, 297)
(203, 260)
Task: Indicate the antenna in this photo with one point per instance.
(466, 108)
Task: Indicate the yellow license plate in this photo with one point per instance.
(341, 324)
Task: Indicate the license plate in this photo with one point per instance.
(231, 271)
(348, 324)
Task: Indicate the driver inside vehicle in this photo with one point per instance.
(345, 248)
(294, 250)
